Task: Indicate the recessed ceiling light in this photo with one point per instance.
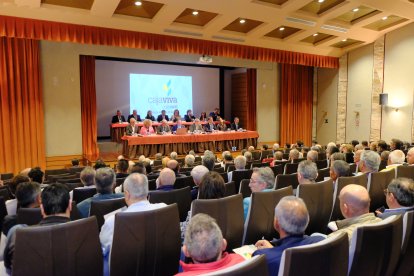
(344, 40)
(316, 34)
(138, 3)
(242, 21)
(321, 1)
(355, 10)
(195, 12)
(385, 18)
(281, 28)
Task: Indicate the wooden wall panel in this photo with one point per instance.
(239, 97)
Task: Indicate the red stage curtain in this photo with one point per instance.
(251, 99)
(296, 96)
(22, 142)
(88, 108)
(47, 30)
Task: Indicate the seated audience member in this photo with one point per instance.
(177, 125)
(173, 155)
(354, 203)
(299, 143)
(331, 149)
(137, 168)
(11, 204)
(104, 181)
(307, 172)
(396, 144)
(158, 156)
(339, 168)
(365, 144)
(312, 155)
(55, 207)
(163, 128)
(166, 180)
(189, 161)
(37, 175)
(175, 167)
(222, 125)
(277, 158)
(176, 116)
(399, 197)
(373, 146)
(27, 196)
(208, 161)
(357, 159)
(336, 156)
(25, 172)
(354, 143)
(395, 159)
(382, 145)
(122, 168)
(209, 127)
(132, 128)
(236, 124)
(87, 177)
(135, 116)
(265, 147)
(196, 126)
(165, 161)
(211, 186)
(369, 162)
(75, 163)
(316, 148)
(192, 152)
(410, 156)
(248, 155)
(293, 154)
(204, 244)
(118, 118)
(197, 173)
(136, 193)
(147, 128)
(99, 164)
(150, 116)
(384, 155)
(251, 148)
(227, 159)
(162, 116)
(189, 117)
(359, 147)
(203, 116)
(275, 147)
(240, 165)
(262, 180)
(120, 157)
(290, 221)
(215, 114)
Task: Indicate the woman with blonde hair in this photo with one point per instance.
(147, 128)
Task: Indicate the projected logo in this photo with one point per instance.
(167, 88)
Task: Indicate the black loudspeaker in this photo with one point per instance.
(383, 99)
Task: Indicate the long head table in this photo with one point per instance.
(182, 144)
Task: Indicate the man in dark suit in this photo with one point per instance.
(236, 124)
(189, 116)
(209, 127)
(118, 118)
(215, 114)
(135, 116)
(162, 116)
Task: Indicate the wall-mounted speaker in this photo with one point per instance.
(383, 99)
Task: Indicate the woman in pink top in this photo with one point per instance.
(147, 128)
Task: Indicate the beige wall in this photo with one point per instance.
(61, 90)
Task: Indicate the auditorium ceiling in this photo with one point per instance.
(325, 27)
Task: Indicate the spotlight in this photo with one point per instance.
(355, 10)
(242, 21)
(281, 28)
(195, 12)
(138, 3)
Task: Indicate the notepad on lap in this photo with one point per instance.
(245, 251)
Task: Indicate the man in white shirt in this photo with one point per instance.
(136, 192)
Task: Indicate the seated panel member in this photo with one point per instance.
(132, 128)
(162, 116)
(150, 116)
(203, 116)
(135, 116)
(147, 128)
(118, 118)
(209, 127)
(178, 125)
(189, 117)
(176, 116)
(215, 114)
(196, 126)
(236, 124)
(222, 125)
(163, 128)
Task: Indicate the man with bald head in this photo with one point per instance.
(354, 203)
(166, 180)
(290, 221)
(175, 167)
(410, 156)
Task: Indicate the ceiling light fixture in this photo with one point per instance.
(385, 18)
(315, 34)
(138, 3)
(344, 40)
(355, 10)
(281, 28)
(321, 1)
(195, 12)
(242, 21)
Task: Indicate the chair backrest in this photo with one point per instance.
(285, 180)
(375, 248)
(102, 207)
(298, 160)
(55, 172)
(6, 176)
(76, 169)
(278, 169)
(352, 168)
(182, 182)
(119, 181)
(321, 155)
(244, 188)
(256, 155)
(180, 196)
(328, 257)
(228, 212)
(146, 243)
(219, 170)
(227, 165)
(383, 165)
(152, 184)
(29, 216)
(256, 265)
(260, 165)
(238, 176)
(405, 171)
(260, 217)
(181, 161)
(229, 188)
(291, 168)
(71, 248)
(406, 264)
(340, 183)
(377, 183)
(71, 186)
(225, 177)
(3, 211)
(321, 164)
(5, 193)
(318, 199)
(157, 163)
(231, 168)
(322, 173)
(80, 195)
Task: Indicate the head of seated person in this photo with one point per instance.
(262, 179)
(104, 180)
(369, 161)
(278, 155)
(16, 180)
(189, 160)
(135, 188)
(166, 179)
(249, 156)
(336, 156)
(173, 155)
(209, 161)
(240, 162)
(165, 161)
(28, 195)
(293, 154)
(75, 162)
(174, 166)
(312, 155)
(400, 193)
(37, 175)
(158, 156)
(138, 167)
(291, 216)
(354, 201)
(197, 173)
(87, 176)
(211, 186)
(396, 157)
(122, 166)
(339, 168)
(307, 172)
(99, 164)
(228, 158)
(55, 201)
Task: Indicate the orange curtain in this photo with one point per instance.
(88, 108)
(296, 96)
(22, 142)
(251, 99)
(64, 32)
